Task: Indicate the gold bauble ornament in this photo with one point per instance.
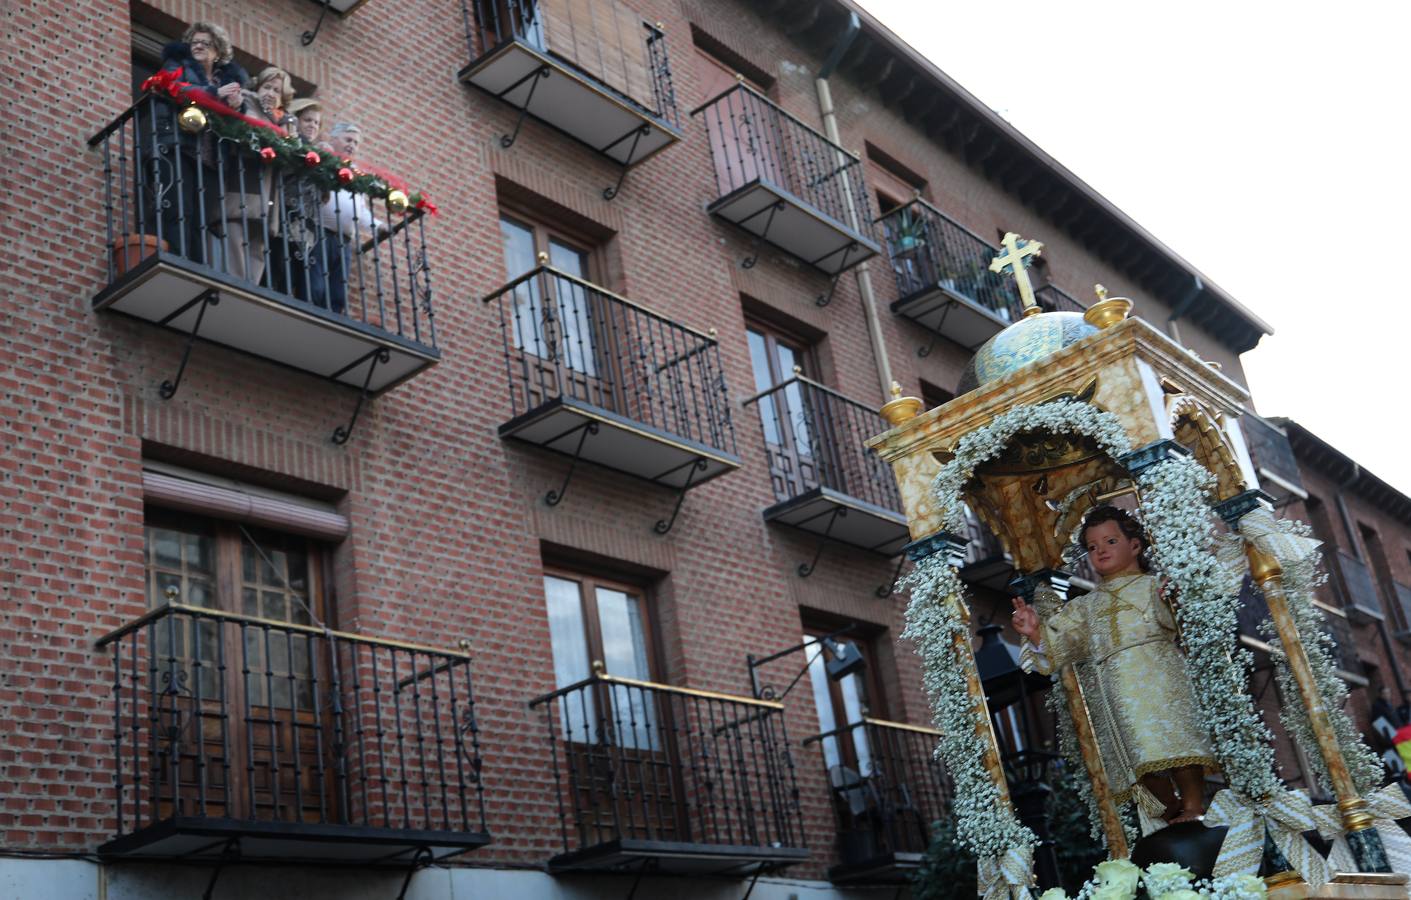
(397, 201)
(192, 119)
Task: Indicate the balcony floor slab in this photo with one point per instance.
(863, 524)
(951, 315)
(677, 858)
(570, 101)
(263, 323)
(200, 838)
(621, 444)
(797, 227)
(886, 869)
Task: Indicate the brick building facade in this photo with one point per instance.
(533, 313)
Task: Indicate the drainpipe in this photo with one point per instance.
(1354, 541)
(863, 275)
(1172, 327)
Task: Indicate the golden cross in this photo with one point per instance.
(1014, 259)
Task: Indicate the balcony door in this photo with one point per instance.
(236, 710)
(793, 435)
(556, 332)
(747, 140)
(618, 737)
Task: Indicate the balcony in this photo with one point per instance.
(986, 561)
(785, 183)
(825, 479)
(596, 377)
(1253, 612)
(208, 240)
(1272, 454)
(592, 69)
(1054, 299)
(944, 282)
(274, 741)
(653, 778)
(888, 788)
(1359, 591)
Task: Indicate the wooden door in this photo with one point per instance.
(745, 134)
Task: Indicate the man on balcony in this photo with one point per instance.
(347, 221)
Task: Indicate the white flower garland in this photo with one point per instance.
(1180, 524)
(1301, 580)
(984, 825)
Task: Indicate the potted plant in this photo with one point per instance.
(908, 232)
(130, 249)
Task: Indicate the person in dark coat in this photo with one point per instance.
(204, 58)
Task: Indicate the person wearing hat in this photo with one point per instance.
(308, 113)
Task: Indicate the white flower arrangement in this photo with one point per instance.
(1119, 879)
(1301, 579)
(1181, 526)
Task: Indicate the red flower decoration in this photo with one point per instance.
(345, 175)
(166, 81)
(312, 158)
(426, 206)
(267, 154)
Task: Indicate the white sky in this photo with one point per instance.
(1264, 142)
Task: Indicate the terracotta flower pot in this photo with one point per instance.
(131, 249)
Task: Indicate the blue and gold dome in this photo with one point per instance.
(1029, 340)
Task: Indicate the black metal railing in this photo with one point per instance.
(565, 337)
(1354, 580)
(753, 140)
(1269, 448)
(981, 544)
(603, 39)
(888, 787)
(815, 437)
(634, 760)
(210, 201)
(218, 715)
(1055, 299)
(1253, 613)
(930, 250)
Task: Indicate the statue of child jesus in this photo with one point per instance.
(1136, 687)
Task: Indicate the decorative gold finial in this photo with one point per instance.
(899, 409)
(172, 593)
(1107, 311)
(543, 258)
(712, 332)
(463, 645)
(798, 370)
(598, 667)
(1015, 259)
(740, 78)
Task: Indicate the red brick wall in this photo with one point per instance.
(448, 524)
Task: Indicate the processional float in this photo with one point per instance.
(1059, 413)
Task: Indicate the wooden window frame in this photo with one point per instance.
(544, 229)
(773, 334)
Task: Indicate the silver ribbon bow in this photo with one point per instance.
(1285, 815)
(1007, 877)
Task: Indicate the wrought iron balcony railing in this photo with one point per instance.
(287, 741)
(1055, 299)
(944, 282)
(596, 376)
(888, 790)
(206, 238)
(786, 183)
(986, 561)
(593, 69)
(825, 479)
(1354, 582)
(671, 779)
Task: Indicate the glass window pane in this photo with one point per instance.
(518, 245)
(625, 654)
(763, 381)
(569, 637)
(166, 547)
(576, 340)
(822, 701)
(199, 552)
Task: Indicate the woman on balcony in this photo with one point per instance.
(204, 59)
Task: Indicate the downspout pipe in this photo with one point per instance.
(1354, 541)
(830, 128)
(1174, 329)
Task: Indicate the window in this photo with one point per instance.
(597, 620)
(933, 396)
(254, 572)
(791, 433)
(558, 327)
(843, 703)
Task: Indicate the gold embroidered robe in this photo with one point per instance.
(1122, 638)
